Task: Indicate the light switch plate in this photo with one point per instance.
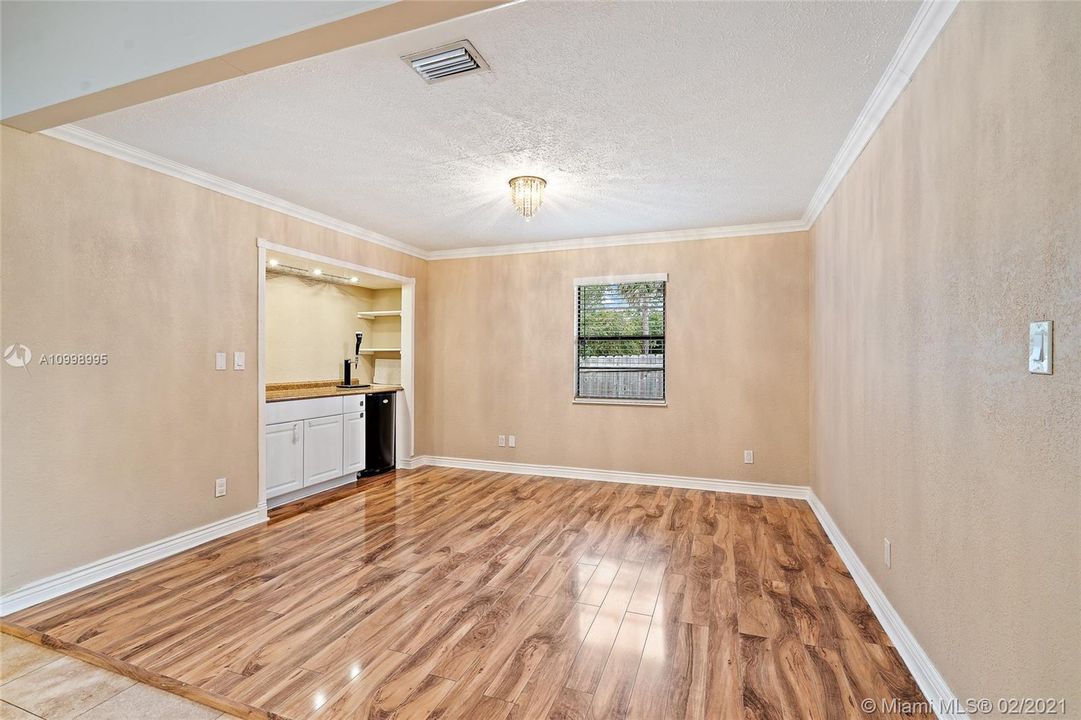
(238, 360)
(1040, 347)
(219, 361)
(502, 441)
(748, 457)
(219, 487)
(512, 441)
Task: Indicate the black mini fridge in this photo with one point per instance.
(379, 433)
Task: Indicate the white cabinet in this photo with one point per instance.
(290, 410)
(315, 443)
(284, 457)
(322, 449)
(353, 455)
(353, 403)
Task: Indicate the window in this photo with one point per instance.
(620, 339)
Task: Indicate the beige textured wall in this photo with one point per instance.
(101, 255)
(960, 224)
(502, 333)
(310, 328)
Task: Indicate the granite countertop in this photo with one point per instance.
(277, 392)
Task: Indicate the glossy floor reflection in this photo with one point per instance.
(456, 594)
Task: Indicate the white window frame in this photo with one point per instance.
(611, 280)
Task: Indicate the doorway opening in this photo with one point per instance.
(323, 320)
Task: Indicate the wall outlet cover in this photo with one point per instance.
(220, 487)
(748, 457)
(502, 441)
(512, 440)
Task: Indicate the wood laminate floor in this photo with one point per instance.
(443, 593)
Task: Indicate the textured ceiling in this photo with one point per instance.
(643, 116)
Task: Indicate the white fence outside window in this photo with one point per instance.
(643, 377)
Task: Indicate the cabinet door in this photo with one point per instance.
(322, 449)
(353, 442)
(284, 457)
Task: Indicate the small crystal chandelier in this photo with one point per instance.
(527, 192)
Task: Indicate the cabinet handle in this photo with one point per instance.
(295, 438)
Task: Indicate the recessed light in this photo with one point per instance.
(272, 262)
(354, 279)
(317, 271)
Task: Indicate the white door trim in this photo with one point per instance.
(405, 425)
(316, 257)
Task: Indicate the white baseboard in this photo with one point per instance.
(927, 676)
(929, 679)
(798, 492)
(71, 580)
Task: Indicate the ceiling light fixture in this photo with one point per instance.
(527, 193)
(272, 262)
(317, 274)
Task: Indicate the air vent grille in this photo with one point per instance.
(446, 61)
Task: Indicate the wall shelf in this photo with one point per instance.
(378, 314)
(369, 351)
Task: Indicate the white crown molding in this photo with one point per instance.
(122, 151)
(927, 676)
(926, 26)
(930, 18)
(71, 580)
(649, 238)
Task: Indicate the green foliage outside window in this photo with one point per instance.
(615, 311)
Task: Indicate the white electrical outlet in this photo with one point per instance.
(512, 441)
(238, 360)
(219, 361)
(887, 552)
(502, 441)
(219, 487)
(748, 457)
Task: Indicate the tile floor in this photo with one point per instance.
(41, 684)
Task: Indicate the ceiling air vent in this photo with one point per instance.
(446, 61)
